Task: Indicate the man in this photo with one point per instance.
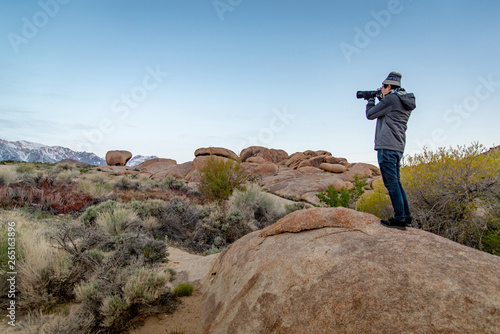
(392, 114)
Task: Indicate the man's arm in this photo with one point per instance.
(383, 107)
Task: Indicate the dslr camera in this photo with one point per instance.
(368, 94)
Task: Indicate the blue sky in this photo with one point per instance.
(167, 77)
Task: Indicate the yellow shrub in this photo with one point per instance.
(376, 202)
(445, 188)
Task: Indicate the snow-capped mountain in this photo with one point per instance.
(33, 152)
(139, 159)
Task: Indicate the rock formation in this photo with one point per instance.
(339, 271)
(267, 155)
(153, 166)
(117, 158)
(219, 151)
(299, 176)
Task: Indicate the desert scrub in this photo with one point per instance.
(171, 182)
(90, 215)
(87, 291)
(255, 206)
(44, 271)
(219, 177)
(96, 186)
(8, 175)
(121, 296)
(149, 208)
(454, 192)
(376, 202)
(117, 221)
(25, 168)
(184, 289)
(125, 182)
(145, 286)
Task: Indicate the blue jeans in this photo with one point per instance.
(390, 164)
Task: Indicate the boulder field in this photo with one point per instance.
(299, 176)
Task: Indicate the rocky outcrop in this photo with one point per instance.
(218, 151)
(265, 154)
(339, 271)
(301, 184)
(178, 171)
(153, 166)
(314, 159)
(118, 158)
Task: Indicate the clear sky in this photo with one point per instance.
(167, 77)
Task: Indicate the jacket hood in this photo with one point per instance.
(407, 99)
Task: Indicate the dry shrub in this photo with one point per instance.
(145, 286)
(8, 175)
(45, 194)
(256, 206)
(125, 182)
(44, 271)
(95, 189)
(114, 296)
(117, 221)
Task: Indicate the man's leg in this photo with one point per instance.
(406, 207)
(389, 162)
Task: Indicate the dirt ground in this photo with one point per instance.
(187, 319)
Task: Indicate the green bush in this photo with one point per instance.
(455, 193)
(491, 241)
(346, 198)
(219, 177)
(289, 208)
(184, 289)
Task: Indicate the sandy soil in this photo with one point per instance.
(187, 319)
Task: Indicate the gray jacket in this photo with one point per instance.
(392, 114)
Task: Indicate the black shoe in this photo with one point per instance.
(394, 223)
(408, 222)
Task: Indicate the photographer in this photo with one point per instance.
(392, 114)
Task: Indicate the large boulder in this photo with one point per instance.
(334, 168)
(118, 158)
(269, 155)
(178, 171)
(156, 165)
(339, 271)
(218, 151)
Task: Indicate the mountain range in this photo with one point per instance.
(34, 152)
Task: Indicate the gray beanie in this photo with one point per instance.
(393, 79)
